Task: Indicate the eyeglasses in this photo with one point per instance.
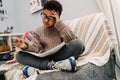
(49, 18)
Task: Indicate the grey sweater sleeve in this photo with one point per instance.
(65, 32)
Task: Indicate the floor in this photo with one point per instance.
(117, 69)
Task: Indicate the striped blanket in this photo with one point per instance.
(94, 31)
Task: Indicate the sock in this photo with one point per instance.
(50, 65)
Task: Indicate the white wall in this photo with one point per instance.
(24, 20)
(74, 9)
(9, 6)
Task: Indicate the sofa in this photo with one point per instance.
(95, 63)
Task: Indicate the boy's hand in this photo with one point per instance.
(19, 43)
(56, 15)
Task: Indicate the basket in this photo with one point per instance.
(4, 48)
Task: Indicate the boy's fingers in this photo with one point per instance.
(17, 40)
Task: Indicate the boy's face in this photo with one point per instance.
(47, 18)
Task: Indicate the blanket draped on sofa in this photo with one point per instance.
(97, 37)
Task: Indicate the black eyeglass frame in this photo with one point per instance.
(49, 18)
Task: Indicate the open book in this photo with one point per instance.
(49, 52)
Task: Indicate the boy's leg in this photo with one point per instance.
(65, 57)
(32, 60)
(44, 63)
(73, 48)
(63, 65)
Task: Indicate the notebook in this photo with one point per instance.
(49, 52)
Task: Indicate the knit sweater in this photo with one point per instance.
(47, 38)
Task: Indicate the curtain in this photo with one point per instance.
(111, 9)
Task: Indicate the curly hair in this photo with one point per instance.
(53, 5)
